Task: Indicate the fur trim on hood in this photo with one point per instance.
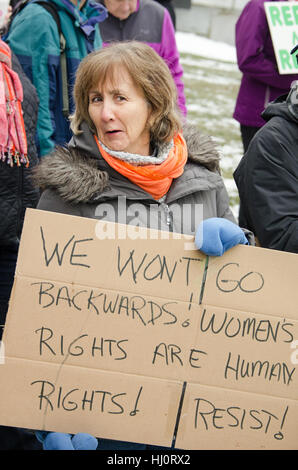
(201, 148)
(67, 171)
(75, 173)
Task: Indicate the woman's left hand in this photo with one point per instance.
(217, 235)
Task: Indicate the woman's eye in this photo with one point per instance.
(120, 98)
(95, 99)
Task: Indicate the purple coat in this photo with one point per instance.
(150, 23)
(261, 82)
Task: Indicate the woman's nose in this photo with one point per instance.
(107, 111)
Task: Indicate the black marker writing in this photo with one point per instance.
(173, 354)
(56, 344)
(53, 397)
(240, 368)
(208, 416)
(250, 282)
(59, 252)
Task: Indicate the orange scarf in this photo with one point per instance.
(154, 179)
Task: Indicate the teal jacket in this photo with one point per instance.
(34, 38)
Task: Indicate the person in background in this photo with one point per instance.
(18, 156)
(33, 37)
(267, 177)
(168, 4)
(128, 143)
(148, 22)
(261, 81)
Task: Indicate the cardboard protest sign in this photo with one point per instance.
(146, 339)
(282, 19)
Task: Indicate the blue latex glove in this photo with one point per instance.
(61, 441)
(216, 235)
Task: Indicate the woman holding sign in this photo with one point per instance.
(129, 145)
(261, 82)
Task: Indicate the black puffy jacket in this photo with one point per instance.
(16, 188)
(267, 177)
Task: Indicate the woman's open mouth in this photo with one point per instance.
(115, 131)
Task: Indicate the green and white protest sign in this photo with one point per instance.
(282, 19)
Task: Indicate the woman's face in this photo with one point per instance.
(121, 8)
(120, 114)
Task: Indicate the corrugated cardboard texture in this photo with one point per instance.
(144, 340)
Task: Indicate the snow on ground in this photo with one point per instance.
(212, 79)
(204, 47)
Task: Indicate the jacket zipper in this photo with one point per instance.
(121, 28)
(169, 217)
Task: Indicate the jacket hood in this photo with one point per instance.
(285, 106)
(79, 173)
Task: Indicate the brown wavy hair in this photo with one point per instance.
(148, 71)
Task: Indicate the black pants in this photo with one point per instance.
(247, 133)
